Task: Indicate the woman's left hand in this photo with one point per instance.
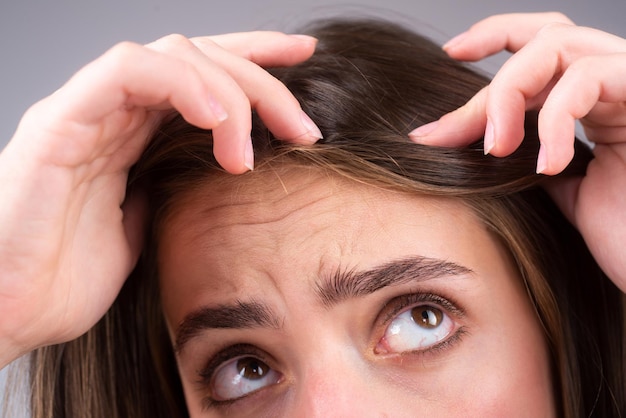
(570, 73)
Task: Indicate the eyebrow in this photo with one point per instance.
(240, 315)
(349, 284)
(337, 287)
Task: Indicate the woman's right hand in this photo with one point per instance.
(69, 236)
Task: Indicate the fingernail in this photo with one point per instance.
(423, 130)
(542, 160)
(305, 38)
(312, 129)
(489, 140)
(248, 155)
(457, 40)
(217, 109)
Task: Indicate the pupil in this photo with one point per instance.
(251, 368)
(427, 317)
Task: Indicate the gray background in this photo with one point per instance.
(43, 42)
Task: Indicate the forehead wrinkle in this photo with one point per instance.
(256, 221)
(268, 209)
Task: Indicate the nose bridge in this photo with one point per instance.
(337, 383)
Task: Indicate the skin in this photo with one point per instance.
(70, 234)
(568, 73)
(271, 240)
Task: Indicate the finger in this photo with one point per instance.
(604, 118)
(458, 128)
(525, 78)
(605, 134)
(514, 89)
(267, 49)
(466, 124)
(232, 137)
(91, 109)
(522, 83)
(274, 103)
(125, 77)
(586, 82)
(501, 32)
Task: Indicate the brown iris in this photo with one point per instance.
(427, 316)
(251, 368)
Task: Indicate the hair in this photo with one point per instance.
(368, 84)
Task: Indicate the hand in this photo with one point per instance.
(66, 243)
(570, 73)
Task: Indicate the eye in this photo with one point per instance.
(417, 328)
(241, 376)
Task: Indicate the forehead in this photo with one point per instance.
(297, 210)
(284, 199)
(280, 231)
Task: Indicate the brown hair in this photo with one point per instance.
(368, 84)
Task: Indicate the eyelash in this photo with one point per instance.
(400, 304)
(390, 310)
(226, 354)
(210, 403)
(397, 305)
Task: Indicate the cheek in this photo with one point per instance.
(501, 367)
(522, 384)
(509, 368)
(504, 384)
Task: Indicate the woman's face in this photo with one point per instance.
(300, 295)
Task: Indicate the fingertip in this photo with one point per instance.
(232, 148)
(304, 38)
(313, 132)
(300, 48)
(556, 164)
(553, 160)
(542, 160)
(455, 42)
(451, 130)
(248, 155)
(305, 131)
(421, 135)
(489, 141)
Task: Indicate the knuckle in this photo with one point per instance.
(583, 65)
(554, 36)
(559, 17)
(175, 38)
(119, 56)
(173, 41)
(553, 29)
(121, 51)
(204, 44)
(493, 21)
